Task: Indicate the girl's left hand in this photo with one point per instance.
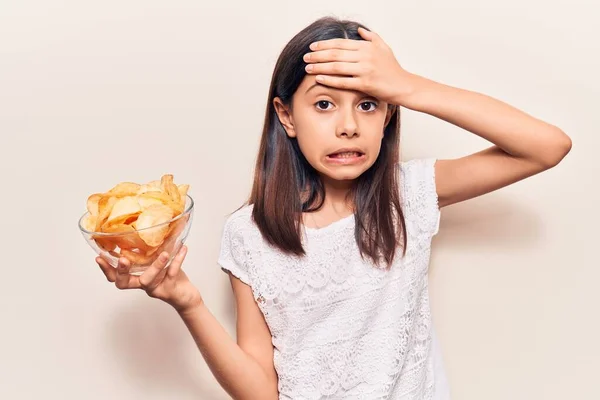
(367, 66)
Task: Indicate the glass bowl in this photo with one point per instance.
(112, 246)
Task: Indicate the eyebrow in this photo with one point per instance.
(316, 84)
(313, 86)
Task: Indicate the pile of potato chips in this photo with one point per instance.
(138, 215)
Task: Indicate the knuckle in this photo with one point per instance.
(149, 283)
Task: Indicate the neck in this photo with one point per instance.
(337, 194)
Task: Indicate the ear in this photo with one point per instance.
(391, 110)
(284, 114)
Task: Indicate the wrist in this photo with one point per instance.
(190, 309)
(411, 90)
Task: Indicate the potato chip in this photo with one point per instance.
(175, 229)
(92, 203)
(154, 215)
(164, 199)
(147, 201)
(119, 228)
(124, 208)
(138, 258)
(105, 243)
(183, 189)
(131, 220)
(177, 208)
(167, 185)
(105, 206)
(114, 254)
(148, 188)
(153, 250)
(129, 239)
(124, 189)
(89, 222)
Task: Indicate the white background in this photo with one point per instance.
(94, 93)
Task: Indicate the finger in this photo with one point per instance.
(148, 279)
(367, 34)
(345, 44)
(124, 280)
(332, 55)
(108, 270)
(334, 68)
(347, 83)
(175, 266)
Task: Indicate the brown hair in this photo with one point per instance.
(286, 185)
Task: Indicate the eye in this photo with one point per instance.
(369, 102)
(325, 102)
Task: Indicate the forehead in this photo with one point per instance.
(311, 80)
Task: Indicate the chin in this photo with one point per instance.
(344, 174)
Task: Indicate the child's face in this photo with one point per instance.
(325, 120)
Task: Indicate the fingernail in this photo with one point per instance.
(313, 46)
(164, 257)
(306, 57)
(309, 68)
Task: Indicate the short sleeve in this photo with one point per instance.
(420, 194)
(232, 255)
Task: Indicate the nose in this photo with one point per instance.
(347, 125)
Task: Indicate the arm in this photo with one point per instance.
(244, 369)
(523, 145)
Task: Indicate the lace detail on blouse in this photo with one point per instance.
(342, 327)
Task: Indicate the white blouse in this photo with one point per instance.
(341, 327)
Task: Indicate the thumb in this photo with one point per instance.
(175, 266)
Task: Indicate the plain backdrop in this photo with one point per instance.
(95, 93)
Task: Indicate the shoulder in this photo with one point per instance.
(240, 218)
(418, 169)
(235, 242)
(417, 177)
(239, 225)
(418, 192)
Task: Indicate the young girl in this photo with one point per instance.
(328, 260)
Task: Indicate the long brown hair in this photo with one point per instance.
(282, 173)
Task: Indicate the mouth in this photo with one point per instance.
(346, 157)
(346, 154)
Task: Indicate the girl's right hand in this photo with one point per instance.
(168, 284)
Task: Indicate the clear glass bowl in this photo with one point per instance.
(112, 246)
